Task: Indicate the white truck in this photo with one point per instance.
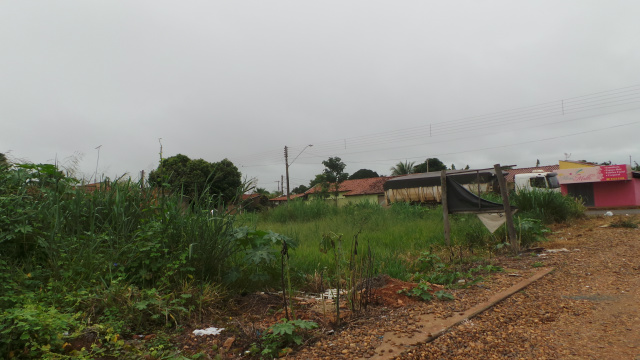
(537, 180)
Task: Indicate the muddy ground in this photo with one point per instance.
(588, 307)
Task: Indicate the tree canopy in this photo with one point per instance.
(3, 160)
(363, 174)
(403, 168)
(192, 177)
(331, 178)
(299, 189)
(334, 170)
(319, 179)
(430, 164)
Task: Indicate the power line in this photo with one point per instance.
(382, 140)
(508, 145)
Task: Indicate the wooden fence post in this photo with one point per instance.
(445, 207)
(513, 238)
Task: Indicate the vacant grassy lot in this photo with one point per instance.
(399, 234)
(125, 259)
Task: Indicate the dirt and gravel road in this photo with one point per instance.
(587, 308)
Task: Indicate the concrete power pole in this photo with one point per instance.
(286, 161)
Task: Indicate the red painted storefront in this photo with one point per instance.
(602, 186)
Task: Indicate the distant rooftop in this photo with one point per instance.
(369, 186)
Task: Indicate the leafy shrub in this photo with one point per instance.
(283, 334)
(449, 275)
(421, 291)
(33, 330)
(443, 295)
(257, 263)
(528, 230)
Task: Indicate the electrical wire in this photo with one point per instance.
(439, 130)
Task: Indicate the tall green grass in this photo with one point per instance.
(397, 234)
(121, 230)
(300, 211)
(548, 206)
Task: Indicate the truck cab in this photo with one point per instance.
(537, 180)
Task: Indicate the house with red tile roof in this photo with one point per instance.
(350, 192)
(283, 199)
(355, 191)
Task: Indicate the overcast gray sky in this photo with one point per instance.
(373, 82)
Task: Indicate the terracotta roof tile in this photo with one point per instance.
(369, 186)
(250, 196)
(284, 197)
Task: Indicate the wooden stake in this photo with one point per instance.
(445, 207)
(515, 246)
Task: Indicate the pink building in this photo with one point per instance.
(607, 186)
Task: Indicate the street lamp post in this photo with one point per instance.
(286, 161)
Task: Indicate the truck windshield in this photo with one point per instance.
(552, 178)
(537, 182)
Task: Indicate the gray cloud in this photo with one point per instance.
(242, 79)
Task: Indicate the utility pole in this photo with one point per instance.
(286, 162)
(95, 177)
(282, 182)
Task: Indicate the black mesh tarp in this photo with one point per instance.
(459, 200)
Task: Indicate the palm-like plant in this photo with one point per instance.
(403, 168)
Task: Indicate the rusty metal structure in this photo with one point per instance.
(425, 188)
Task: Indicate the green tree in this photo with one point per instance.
(363, 174)
(430, 164)
(262, 191)
(403, 168)
(334, 175)
(193, 177)
(300, 189)
(319, 179)
(4, 162)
